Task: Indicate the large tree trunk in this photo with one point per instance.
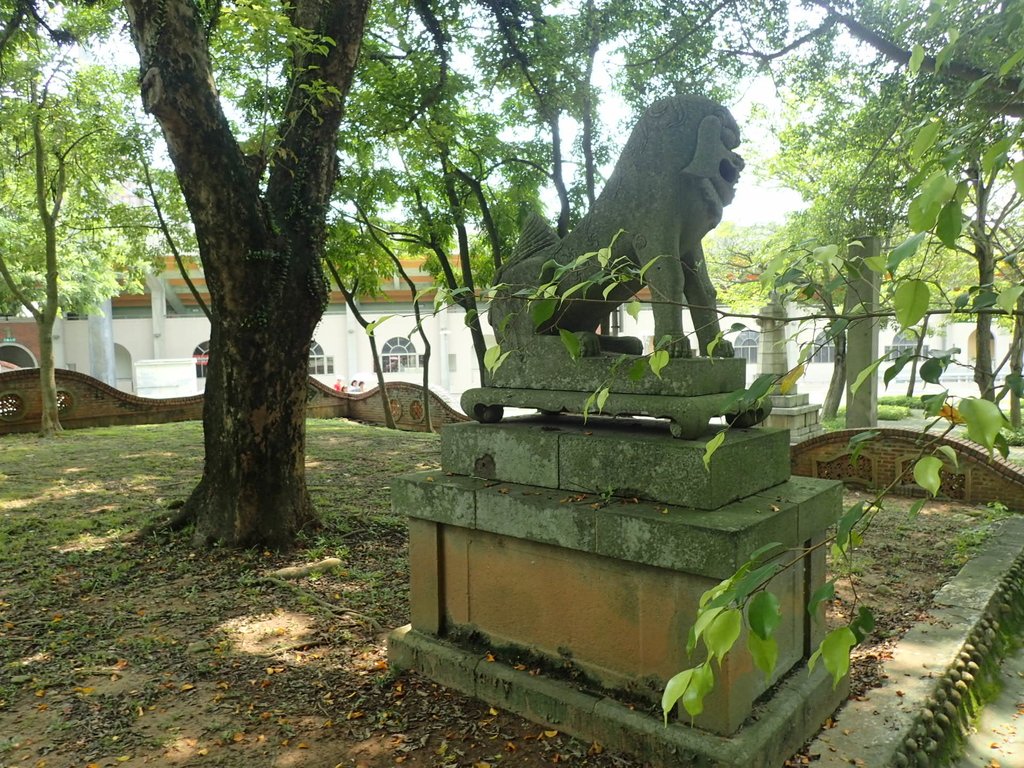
(261, 255)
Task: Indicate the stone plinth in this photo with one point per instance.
(629, 458)
(583, 550)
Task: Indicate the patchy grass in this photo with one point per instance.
(122, 652)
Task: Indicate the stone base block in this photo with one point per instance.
(628, 458)
(792, 400)
(545, 363)
(606, 587)
(778, 726)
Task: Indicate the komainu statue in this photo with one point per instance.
(677, 172)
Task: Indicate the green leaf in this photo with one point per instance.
(950, 453)
(637, 369)
(863, 625)
(916, 57)
(711, 447)
(876, 264)
(835, 653)
(602, 398)
(898, 365)
(911, 302)
(915, 509)
(491, 357)
(1011, 62)
(850, 518)
(950, 223)
(633, 309)
(925, 138)
(994, 155)
(764, 652)
(826, 591)
(984, 421)
(863, 375)
(657, 361)
(763, 550)
(371, 327)
(723, 633)
(674, 690)
(926, 473)
(764, 614)
(933, 403)
(904, 251)
(571, 342)
(1007, 298)
(541, 311)
(704, 619)
(933, 368)
(1018, 177)
(701, 684)
(857, 442)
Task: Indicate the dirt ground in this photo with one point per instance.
(116, 652)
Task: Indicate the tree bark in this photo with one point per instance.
(1017, 362)
(984, 256)
(837, 384)
(261, 254)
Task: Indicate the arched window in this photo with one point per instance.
(399, 354)
(746, 345)
(201, 354)
(904, 341)
(972, 346)
(824, 349)
(17, 356)
(318, 361)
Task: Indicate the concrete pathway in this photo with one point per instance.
(998, 741)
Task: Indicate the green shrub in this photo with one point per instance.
(906, 401)
(893, 412)
(885, 413)
(1014, 436)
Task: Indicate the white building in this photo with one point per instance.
(165, 323)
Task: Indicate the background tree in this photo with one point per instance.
(70, 237)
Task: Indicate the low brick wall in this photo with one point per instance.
(893, 452)
(87, 402)
(406, 401)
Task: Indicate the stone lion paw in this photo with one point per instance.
(590, 343)
(723, 349)
(679, 348)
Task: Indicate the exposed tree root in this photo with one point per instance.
(183, 517)
(301, 571)
(347, 613)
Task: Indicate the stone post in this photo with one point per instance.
(158, 304)
(101, 345)
(861, 335)
(790, 411)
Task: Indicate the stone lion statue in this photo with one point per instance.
(675, 175)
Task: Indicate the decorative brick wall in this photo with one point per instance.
(406, 406)
(892, 453)
(87, 402)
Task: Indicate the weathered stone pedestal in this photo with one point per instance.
(790, 411)
(795, 413)
(581, 550)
